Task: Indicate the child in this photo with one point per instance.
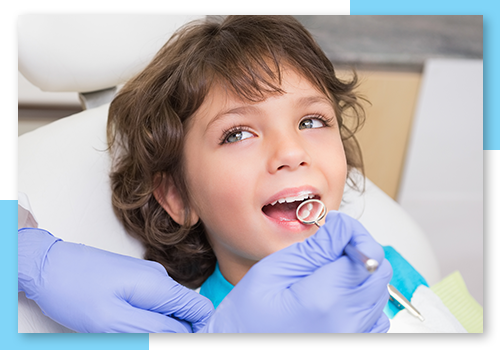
(221, 137)
(227, 120)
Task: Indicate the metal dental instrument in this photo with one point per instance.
(399, 298)
(312, 211)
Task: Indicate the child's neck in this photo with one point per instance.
(233, 271)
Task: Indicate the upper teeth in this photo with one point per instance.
(293, 199)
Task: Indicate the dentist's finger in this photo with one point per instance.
(134, 320)
(165, 296)
(382, 325)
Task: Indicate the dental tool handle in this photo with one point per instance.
(399, 298)
(355, 255)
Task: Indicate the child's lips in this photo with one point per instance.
(287, 222)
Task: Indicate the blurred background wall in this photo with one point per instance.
(422, 149)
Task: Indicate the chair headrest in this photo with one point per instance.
(83, 52)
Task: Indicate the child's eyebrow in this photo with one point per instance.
(304, 101)
(242, 110)
(310, 100)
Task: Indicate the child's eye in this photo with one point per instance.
(235, 136)
(311, 123)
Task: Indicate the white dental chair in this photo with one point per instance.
(63, 167)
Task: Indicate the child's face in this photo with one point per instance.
(240, 157)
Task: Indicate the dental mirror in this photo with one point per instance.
(311, 212)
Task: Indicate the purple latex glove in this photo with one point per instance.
(311, 287)
(92, 290)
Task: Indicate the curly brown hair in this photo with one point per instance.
(148, 121)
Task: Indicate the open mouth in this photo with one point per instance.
(285, 209)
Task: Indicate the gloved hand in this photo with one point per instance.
(92, 290)
(311, 287)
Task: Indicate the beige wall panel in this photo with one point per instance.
(384, 137)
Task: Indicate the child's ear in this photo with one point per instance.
(170, 199)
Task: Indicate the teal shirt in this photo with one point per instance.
(405, 278)
(216, 287)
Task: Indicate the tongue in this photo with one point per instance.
(282, 212)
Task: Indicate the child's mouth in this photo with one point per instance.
(285, 211)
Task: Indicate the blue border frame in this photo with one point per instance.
(8, 209)
(491, 29)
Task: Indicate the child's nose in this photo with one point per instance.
(287, 152)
